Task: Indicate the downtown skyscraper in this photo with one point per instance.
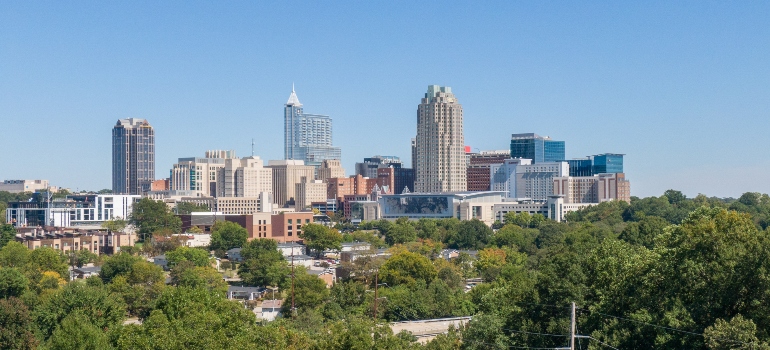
(133, 156)
(439, 149)
(307, 137)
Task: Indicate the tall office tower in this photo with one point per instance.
(538, 148)
(133, 156)
(199, 175)
(307, 137)
(245, 177)
(440, 146)
(286, 174)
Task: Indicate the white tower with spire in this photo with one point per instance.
(307, 137)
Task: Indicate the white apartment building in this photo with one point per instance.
(519, 178)
(82, 211)
(245, 177)
(18, 186)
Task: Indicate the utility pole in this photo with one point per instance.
(376, 284)
(572, 329)
(293, 312)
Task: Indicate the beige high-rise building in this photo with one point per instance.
(199, 175)
(439, 151)
(245, 177)
(330, 168)
(593, 189)
(286, 174)
(309, 192)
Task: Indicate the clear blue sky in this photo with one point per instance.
(681, 87)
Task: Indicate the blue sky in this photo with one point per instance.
(682, 88)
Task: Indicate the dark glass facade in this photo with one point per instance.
(608, 163)
(580, 167)
(539, 149)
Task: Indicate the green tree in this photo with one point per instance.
(13, 283)
(309, 290)
(47, 259)
(199, 257)
(739, 333)
(319, 238)
(471, 234)
(405, 268)
(76, 332)
(115, 225)
(263, 264)
(14, 254)
(400, 232)
(102, 309)
(7, 234)
(150, 216)
(16, 326)
(117, 265)
(227, 235)
(186, 274)
(183, 208)
(84, 256)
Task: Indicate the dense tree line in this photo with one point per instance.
(666, 272)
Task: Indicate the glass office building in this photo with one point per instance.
(607, 163)
(307, 137)
(133, 156)
(538, 148)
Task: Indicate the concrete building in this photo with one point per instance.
(368, 168)
(554, 208)
(520, 178)
(133, 156)
(330, 168)
(286, 174)
(244, 205)
(307, 137)
(478, 173)
(309, 192)
(84, 211)
(195, 239)
(245, 177)
(440, 164)
(593, 189)
(540, 149)
(18, 186)
(199, 175)
(288, 226)
(440, 205)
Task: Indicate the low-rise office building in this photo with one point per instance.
(87, 211)
(18, 186)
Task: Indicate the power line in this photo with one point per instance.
(512, 346)
(664, 327)
(603, 343)
(536, 333)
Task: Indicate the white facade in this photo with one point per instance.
(244, 205)
(554, 208)
(18, 186)
(195, 239)
(76, 211)
(519, 178)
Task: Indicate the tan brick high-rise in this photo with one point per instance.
(439, 153)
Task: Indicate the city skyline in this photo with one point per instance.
(668, 85)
